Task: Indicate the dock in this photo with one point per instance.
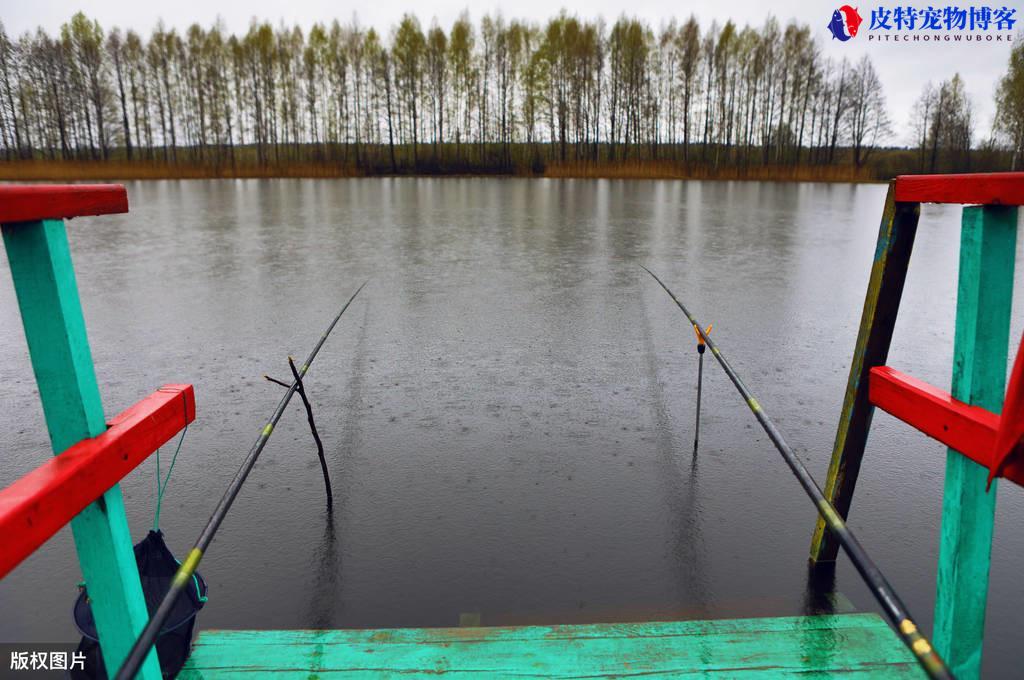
(851, 645)
(79, 485)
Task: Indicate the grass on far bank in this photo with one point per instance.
(490, 160)
(45, 170)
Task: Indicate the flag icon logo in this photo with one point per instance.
(845, 22)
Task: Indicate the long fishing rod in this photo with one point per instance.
(183, 576)
(891, 604)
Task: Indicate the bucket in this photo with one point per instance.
(157, 566)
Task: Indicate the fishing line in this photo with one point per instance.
(879, 586)
(161, 488)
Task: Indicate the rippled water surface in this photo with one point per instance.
(508, 407)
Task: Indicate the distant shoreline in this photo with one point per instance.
(37, 170)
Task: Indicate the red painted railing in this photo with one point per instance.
(36, 506)
(990, 440)
(994, 188)
(24, 202)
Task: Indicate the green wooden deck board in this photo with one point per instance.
(814, 646)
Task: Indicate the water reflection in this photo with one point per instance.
(820, 593)
(325, 601)
(681, 488)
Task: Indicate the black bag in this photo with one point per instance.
(157, 567)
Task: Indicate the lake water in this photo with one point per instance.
(508, 407)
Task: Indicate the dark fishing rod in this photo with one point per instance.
(891, 604)
(183, 576)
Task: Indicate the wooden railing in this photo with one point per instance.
(40, 503)
(965, 418)
(80, 485)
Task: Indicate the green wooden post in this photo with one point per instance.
(987, 250)
(881, 304)
(44, 281)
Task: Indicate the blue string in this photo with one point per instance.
(160, 488)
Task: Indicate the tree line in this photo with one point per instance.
(496, 96)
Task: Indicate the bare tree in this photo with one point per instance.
(868, 119)
(496, 94)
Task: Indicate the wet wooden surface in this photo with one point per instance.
(847, 644)
(988, 248)
(51, 313)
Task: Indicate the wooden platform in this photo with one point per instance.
(808, 646)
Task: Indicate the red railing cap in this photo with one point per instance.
(35, 507)
(31, 202)
(987, 188)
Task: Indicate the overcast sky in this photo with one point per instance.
(903, 67)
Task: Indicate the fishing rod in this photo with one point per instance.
(879, 586)
(183, 576)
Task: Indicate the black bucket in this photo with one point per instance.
(157, 567)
